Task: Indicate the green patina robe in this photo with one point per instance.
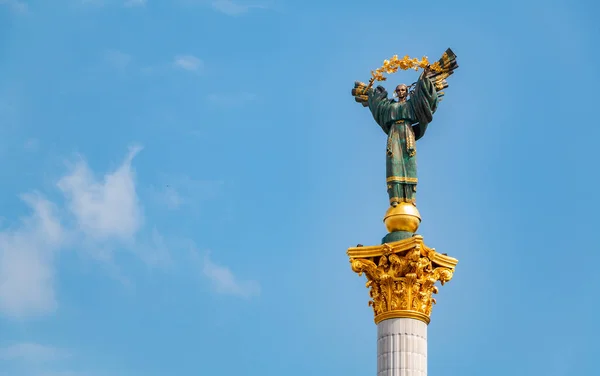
(404, 123)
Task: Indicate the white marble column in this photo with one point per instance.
(401, 347)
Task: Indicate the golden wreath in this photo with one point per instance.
(392, 65)
(437, 71)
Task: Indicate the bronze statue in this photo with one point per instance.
(404, 120)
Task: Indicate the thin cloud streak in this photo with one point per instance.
(184, 192)
(188, 62)
(27, 261)
(225, 282)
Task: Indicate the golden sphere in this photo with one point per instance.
(402, 217)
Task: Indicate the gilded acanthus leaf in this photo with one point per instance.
(402, 281)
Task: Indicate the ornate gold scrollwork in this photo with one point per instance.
(401, 277)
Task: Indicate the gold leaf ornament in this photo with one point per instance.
(401, 277)
(394, 63)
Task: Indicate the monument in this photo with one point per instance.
(402, 271)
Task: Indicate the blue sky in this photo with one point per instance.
(181, 180)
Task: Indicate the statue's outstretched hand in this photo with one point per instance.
(360, 93)
(427, 71)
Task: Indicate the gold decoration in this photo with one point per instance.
(402, 276)
(436, 72)
(402, 217)
(392, 65)
(402, 179)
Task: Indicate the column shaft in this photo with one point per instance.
(402, 347)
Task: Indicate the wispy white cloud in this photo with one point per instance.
(123, 61)
(104, 209)
(172, 198)
(232, 8)
(225, 282)
(188, 62)
(98, 215)
(27, 261)
(32, 353)
(16, 5)
(155, 253)
(183, 191)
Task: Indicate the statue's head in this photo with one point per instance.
(401, 92)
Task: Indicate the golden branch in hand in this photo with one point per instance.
(392, 65)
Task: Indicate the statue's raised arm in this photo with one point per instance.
(423, 102)
(382, 108)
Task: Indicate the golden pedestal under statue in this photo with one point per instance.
(402, 217)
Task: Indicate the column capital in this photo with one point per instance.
(402, 276)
